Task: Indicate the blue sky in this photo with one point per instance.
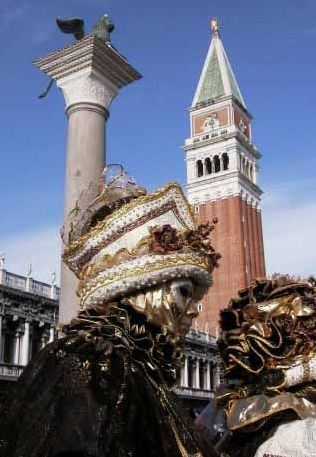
(271, 46)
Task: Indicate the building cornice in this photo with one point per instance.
(22, 294)
(219, 100)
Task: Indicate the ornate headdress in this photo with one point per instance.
(126, 241)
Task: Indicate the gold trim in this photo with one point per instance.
(108, 260)
(123, 210)
(168, 261)
(245, 412)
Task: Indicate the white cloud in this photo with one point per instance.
(289, 223)
(40, 247)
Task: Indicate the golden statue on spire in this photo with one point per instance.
(214, 25)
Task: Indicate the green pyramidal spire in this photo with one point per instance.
(217, 78)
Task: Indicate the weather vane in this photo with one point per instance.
(215, 25)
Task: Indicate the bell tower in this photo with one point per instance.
(223, 179)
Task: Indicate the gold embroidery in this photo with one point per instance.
(86, 288)
(74, 246)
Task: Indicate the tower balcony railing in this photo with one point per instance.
(211, 135)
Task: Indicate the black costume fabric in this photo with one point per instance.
(102, 390)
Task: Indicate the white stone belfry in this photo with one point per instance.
(90, 73)
(222, 161)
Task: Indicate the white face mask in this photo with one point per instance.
(171, 306)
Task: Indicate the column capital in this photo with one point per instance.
(88, 70)
(87, 88)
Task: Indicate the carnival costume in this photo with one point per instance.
(105, 388)
(268, 347)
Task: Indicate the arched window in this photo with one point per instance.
(208, 166)
(243, 165)
(199, 168)
(251, 172)
(217, 164)
(247, 169)
(225, 161)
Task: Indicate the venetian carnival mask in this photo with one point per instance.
(170, 305)
(144, 248)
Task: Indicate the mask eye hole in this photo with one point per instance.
(184, 291)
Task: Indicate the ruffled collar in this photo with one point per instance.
(121, 327)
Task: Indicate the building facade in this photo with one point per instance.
(28, 314)
(223, 179)
(200, 372)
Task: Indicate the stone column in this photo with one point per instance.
(185, 373)
(197, 374)
(208, 375)
(89, 73)
(25, 345)
(217, 377)
(16, 349)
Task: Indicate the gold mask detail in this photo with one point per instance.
(171, 306)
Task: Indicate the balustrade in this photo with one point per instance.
(10, 371)
(28, 284)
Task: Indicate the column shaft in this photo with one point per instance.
(16, 349)
(85, 164)
(24, 359)
(186, 372)
(197, 374)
